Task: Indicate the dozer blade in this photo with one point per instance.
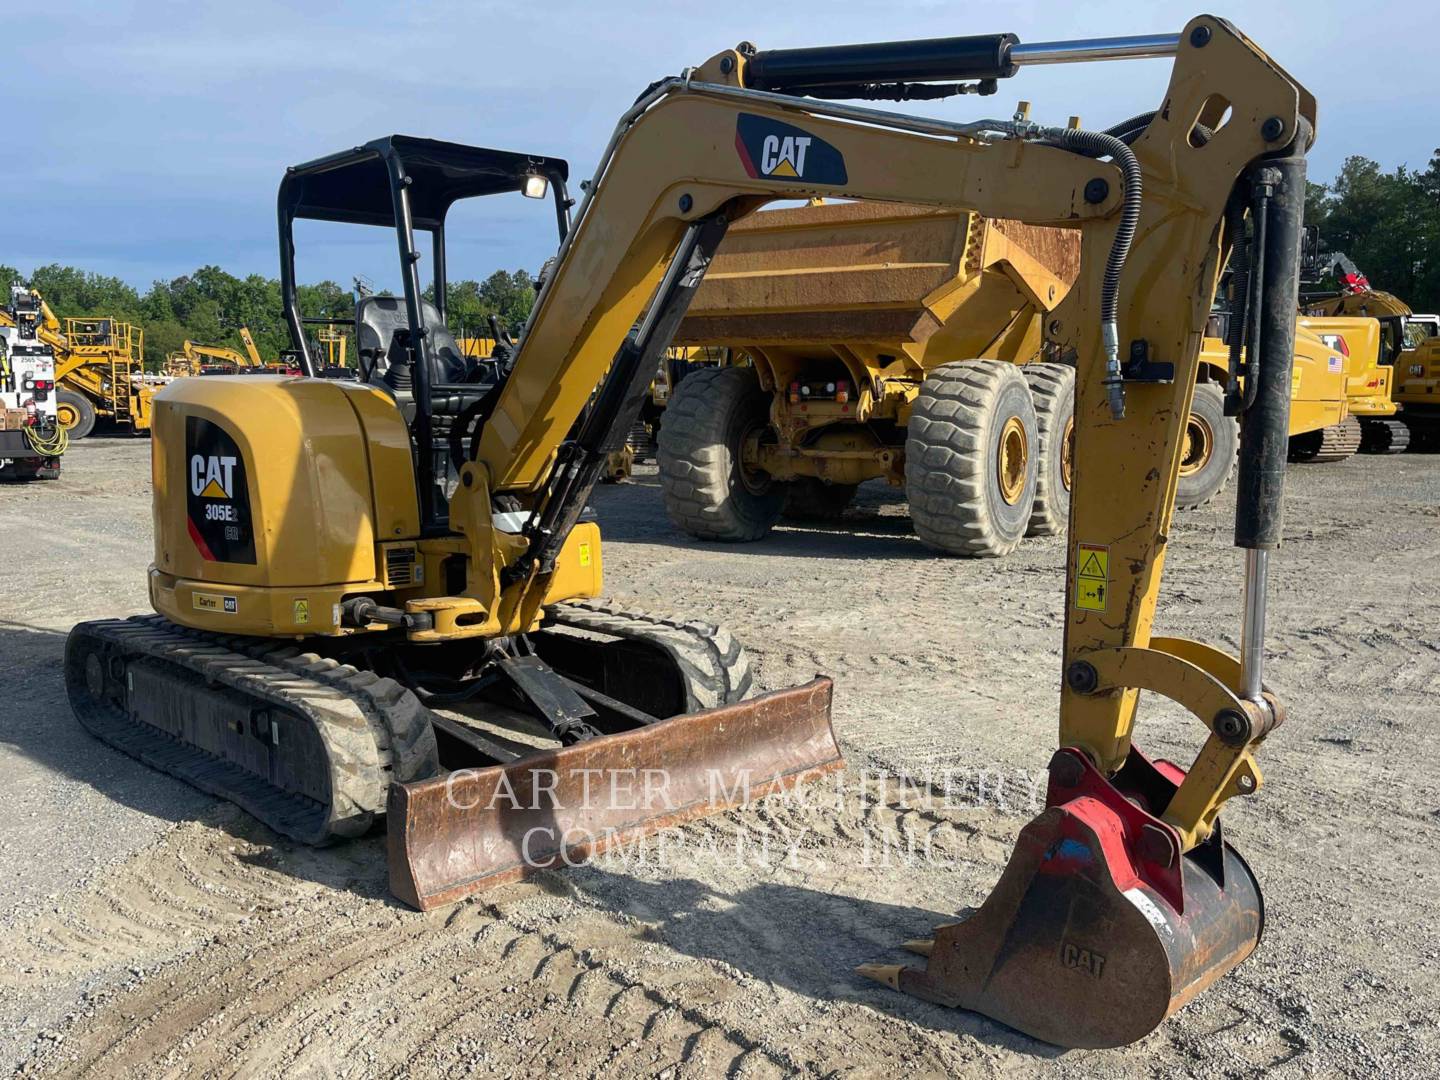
(472, 829)
(1098, 929)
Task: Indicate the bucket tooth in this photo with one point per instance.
(919, 946)
(472, 829)
(1078, 945)
(889, 974)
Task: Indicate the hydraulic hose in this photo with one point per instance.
(1099, 144)
(1128, 130)
(1238, 330)
(51, 444)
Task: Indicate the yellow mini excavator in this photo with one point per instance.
(342, 568)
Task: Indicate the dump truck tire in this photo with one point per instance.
(707, 490)
(810, 499)
(77, 410)
(1052, 387)
(970, 458)
(1212, 440)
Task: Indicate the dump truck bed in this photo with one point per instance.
(882, 274)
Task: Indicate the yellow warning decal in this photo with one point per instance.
(302, 611)
(1295, 376)
(584, 554)
(1092, 577)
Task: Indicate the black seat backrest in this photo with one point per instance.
(377, 321)
(377, 318)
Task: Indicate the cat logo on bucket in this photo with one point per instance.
(779, 151)
(1086, 960)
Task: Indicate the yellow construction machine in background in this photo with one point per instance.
(844, 318)
(194, 358)
(1409, 352)
(852, 319)
(100, 368)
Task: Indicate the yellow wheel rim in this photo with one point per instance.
(1067, 455)
(1199, 445)
(67, 415)
(1013, 462)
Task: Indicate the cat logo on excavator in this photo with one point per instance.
(212, 477)
(773, 150)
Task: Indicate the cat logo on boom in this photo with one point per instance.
(779, 151)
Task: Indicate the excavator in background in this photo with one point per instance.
(1409, 352)
(1325, 387)
(376, 597)
(197, 359)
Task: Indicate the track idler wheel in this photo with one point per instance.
(1099, 928)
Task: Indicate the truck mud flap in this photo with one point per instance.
(472, 829)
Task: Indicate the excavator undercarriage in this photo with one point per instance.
(378, 596)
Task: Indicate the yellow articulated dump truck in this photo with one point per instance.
(852, 320)
(876, 340)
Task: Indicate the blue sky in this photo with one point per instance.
(146, 138)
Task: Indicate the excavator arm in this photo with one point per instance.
(696, 153)
(1151, 885)
(251, 352)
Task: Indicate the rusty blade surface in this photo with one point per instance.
(473, 829)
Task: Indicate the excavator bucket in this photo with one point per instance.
(472, 829)
(1099, 928)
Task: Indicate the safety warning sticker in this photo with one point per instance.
(1092, 577)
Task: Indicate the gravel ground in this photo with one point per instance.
(153, 931)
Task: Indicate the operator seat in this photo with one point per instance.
(381, 327)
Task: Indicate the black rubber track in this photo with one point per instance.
(374, 730)
(714, 666)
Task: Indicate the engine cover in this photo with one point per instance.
(268, 485)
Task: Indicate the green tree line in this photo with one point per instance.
(1388, 223)
(210, 306)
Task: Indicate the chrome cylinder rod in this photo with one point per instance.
(1252, 626)
(1074, 52)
